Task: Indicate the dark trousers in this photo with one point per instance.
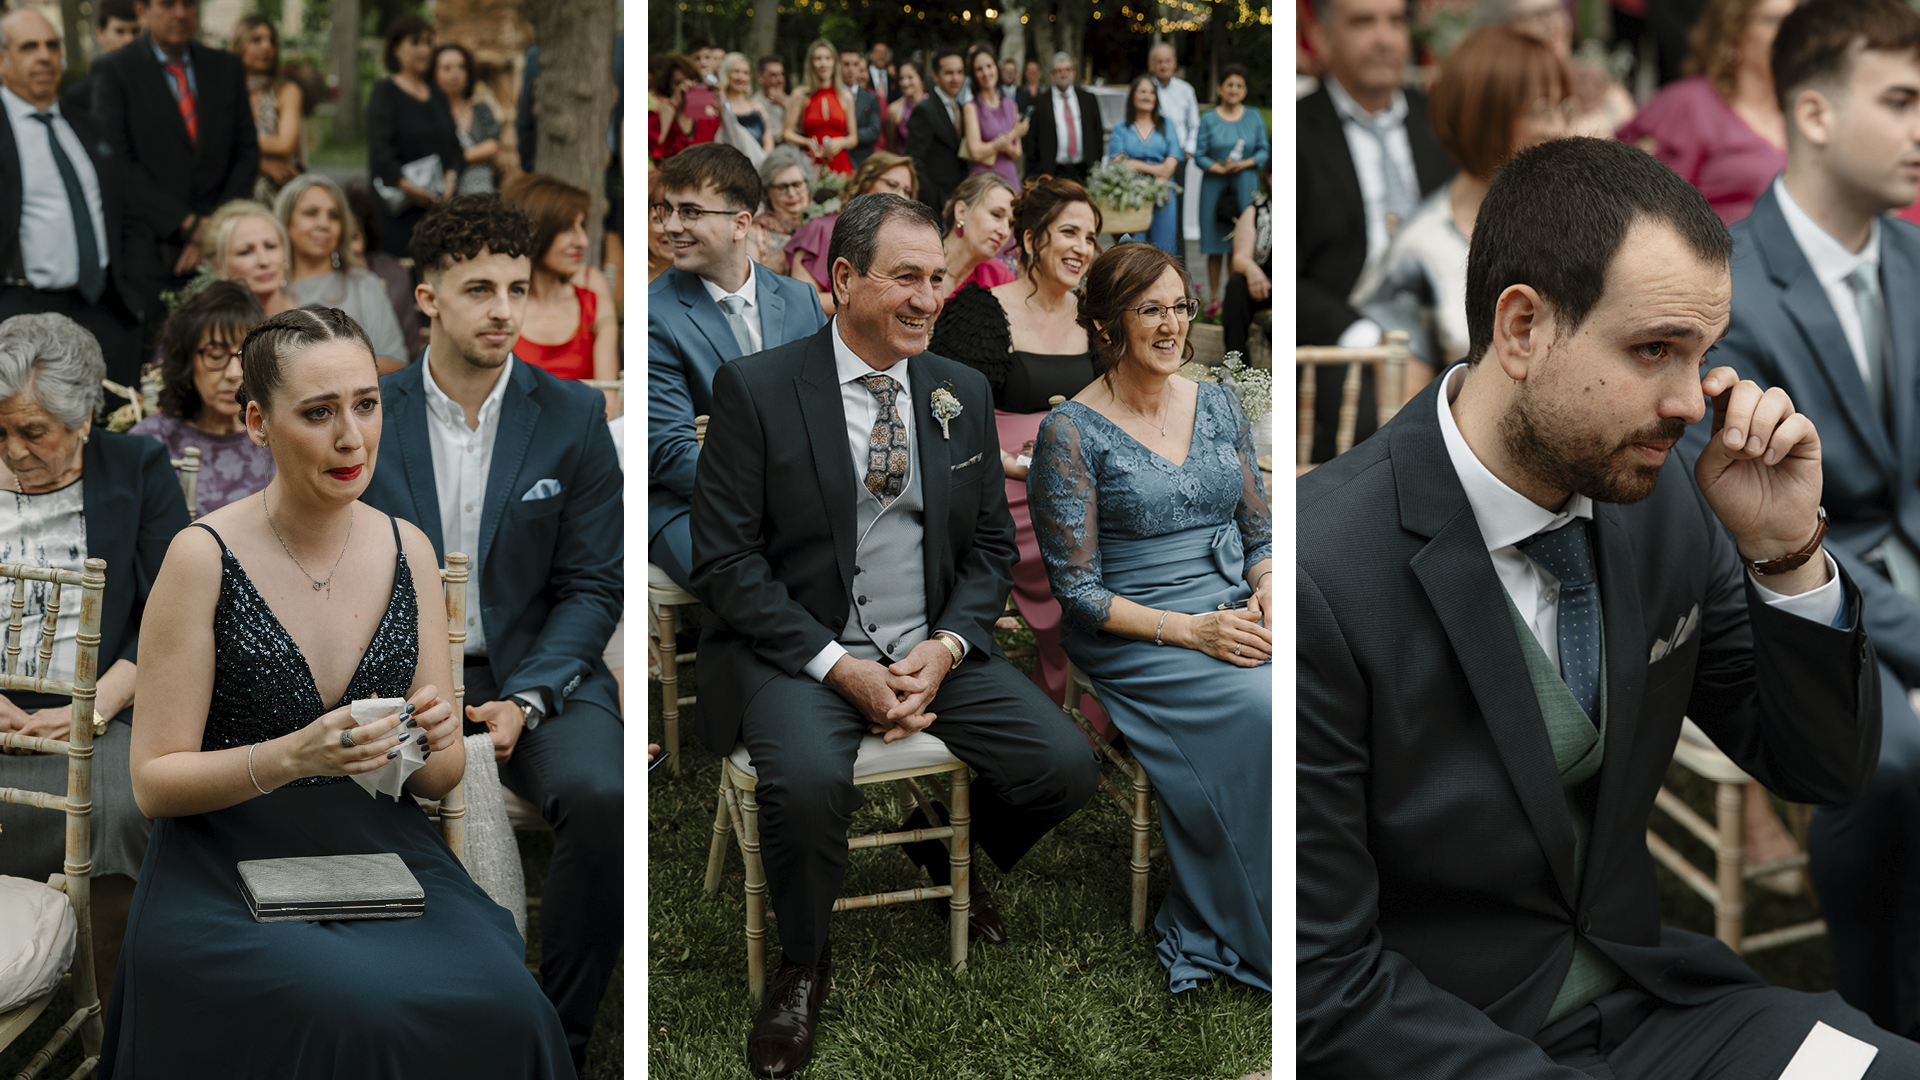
(1864, 860)
(1032, 766)
(1237, 308)
(118, 335)
(1751, 1032)
(570, 769)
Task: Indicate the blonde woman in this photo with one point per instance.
(823, 126)
(736, 89)
(321, 229)
(246, 243)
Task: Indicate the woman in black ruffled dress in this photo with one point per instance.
(1023, 336)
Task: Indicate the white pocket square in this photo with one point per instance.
(965, 463)
(1683, 632)
(545, 489)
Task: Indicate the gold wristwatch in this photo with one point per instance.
(947, 638)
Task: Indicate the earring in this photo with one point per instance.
(335, 259)
(959, 230)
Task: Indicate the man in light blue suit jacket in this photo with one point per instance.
(1823, 286)
(689, 335)
(494, 457)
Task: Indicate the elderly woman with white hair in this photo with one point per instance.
(787, 175)
(75, 491)
(321, 228)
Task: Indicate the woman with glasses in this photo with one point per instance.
(1601, 104)
(807, 251)
(1158, 542)
(788, 178)
(199, 375)
(1498, 92)
(1721, 128)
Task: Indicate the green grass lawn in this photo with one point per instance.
(1074, 994)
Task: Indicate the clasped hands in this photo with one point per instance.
(318, 749)
(1760, 473)
(893, 700)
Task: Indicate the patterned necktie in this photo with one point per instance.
(1073, 133)
(92, 279)
(1397, 199)
(185, 90)
(733, 306)
(887, 446)
(1564, 553)
(1873, 333)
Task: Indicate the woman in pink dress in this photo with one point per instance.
(993, 124)
(1721, 129)
(979, 219)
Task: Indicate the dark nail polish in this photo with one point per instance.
(411, 722)
(392, 755)
(409, 711)
(426, 755)
(423, 742)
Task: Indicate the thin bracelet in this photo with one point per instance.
(1262, 577)
(1158, 625)
(250, 776)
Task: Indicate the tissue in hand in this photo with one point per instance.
(389, 777)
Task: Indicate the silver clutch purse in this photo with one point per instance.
(331, 887)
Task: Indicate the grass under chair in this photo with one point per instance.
(605, 1054)
(1074, 993)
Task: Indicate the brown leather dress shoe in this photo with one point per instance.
(983, 919)
(780, 1043)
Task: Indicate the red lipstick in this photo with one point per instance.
(349, 474)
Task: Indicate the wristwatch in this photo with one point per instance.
(947, 638)
(1794, 561)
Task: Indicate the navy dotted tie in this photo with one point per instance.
(1565, 554)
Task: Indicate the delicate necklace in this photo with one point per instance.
(1160, 423)
(317, 584)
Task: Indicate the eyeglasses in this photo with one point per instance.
(660, 213)
(790, 188)
(216, 357)
(1184, 309)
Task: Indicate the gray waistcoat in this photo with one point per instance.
(1577, 751)
(887, 613)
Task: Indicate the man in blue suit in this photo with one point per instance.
(866, 107)
(690, 331)
(499, 459)
(1823, 279)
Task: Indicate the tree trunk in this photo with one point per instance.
(75, 31)
(764, 32)
(346, 66)
(498, 34)
(573, 99)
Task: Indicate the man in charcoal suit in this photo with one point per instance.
(866, 107)
(1507, 601)
(1367, 157)
(853, 552)
(1065, 138)
(715, 305)
(1821, 270)
(933, 132)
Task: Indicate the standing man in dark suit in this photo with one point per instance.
(933, 132)
(115, 25)
(1823, 274)
(1065, 138)
(693, 326)
(61, 188)
(498, 459)
(1507, 602)
(880, 73)
(177, 113)
(866, 107)
(1367, 157)
(853, 552)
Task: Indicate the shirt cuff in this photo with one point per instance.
(1363, 334)
(824, 660)
(538, 699)
(965, 646)
(1822, 605)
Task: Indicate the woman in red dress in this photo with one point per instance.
(823, 128)
(570, 328)
(671, 125)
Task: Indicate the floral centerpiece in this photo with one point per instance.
(1253, 386)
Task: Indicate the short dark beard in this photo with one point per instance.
(1581, 464)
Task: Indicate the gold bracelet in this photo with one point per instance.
(99, 724)
(946, 637)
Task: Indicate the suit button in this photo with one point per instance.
(873, 628)
(861, 600)
(838, 622)
(1586, 922)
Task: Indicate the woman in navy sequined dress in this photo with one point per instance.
(265, 623)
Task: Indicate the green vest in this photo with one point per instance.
(1577, 751)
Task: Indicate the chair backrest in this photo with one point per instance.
(187, 467)
(615, 389)
(700, 430)
(453, 805)
(1390, 380)
(133, 395)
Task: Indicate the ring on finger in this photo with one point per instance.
(346, 739)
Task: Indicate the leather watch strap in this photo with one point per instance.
(1794, 561)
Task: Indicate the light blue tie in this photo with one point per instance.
(733, 306)
(1873, 333)
(1565, 554)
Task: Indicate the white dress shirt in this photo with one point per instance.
(1182, 109)
(1066, 117)
(877, 78)
(952, 104)
(1507, 517)
(48, 244)
(462, 459)
(1367, 162)
(1832, 263)
(750, 292)
(863, 409)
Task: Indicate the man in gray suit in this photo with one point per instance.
(1823, 281)
(866, 107)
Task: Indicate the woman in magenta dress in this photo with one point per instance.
(993, 124)
(822, 125)
(1721, 129)
(913, 89)
(979, 219)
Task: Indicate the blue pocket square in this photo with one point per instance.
(545, 489)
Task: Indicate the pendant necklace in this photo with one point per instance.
(1161, 423)
(317, 583)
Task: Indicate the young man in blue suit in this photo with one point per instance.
(504, 462)
(690, 333)
(1823, 279)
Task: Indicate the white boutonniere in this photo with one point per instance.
(945, 407)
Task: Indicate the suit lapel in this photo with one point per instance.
(519, 414)
(1624, 635)
(773, 315)
(818, 389)
(160, 89)
(1458, 578)
(706, 315)
(10, 168)
(936, 476)
(416, 456)
(1900, 276)
(1320, 114)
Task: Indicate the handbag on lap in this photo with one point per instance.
(330, 887)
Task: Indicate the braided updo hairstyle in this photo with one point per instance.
(269, 344)
(1117, 279)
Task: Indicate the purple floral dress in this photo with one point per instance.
(993, 124)
(231, 467)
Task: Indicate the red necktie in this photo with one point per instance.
(186, 100)
(1073, 132)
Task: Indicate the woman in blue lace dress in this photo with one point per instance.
(1155, 531)
(268, 620)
